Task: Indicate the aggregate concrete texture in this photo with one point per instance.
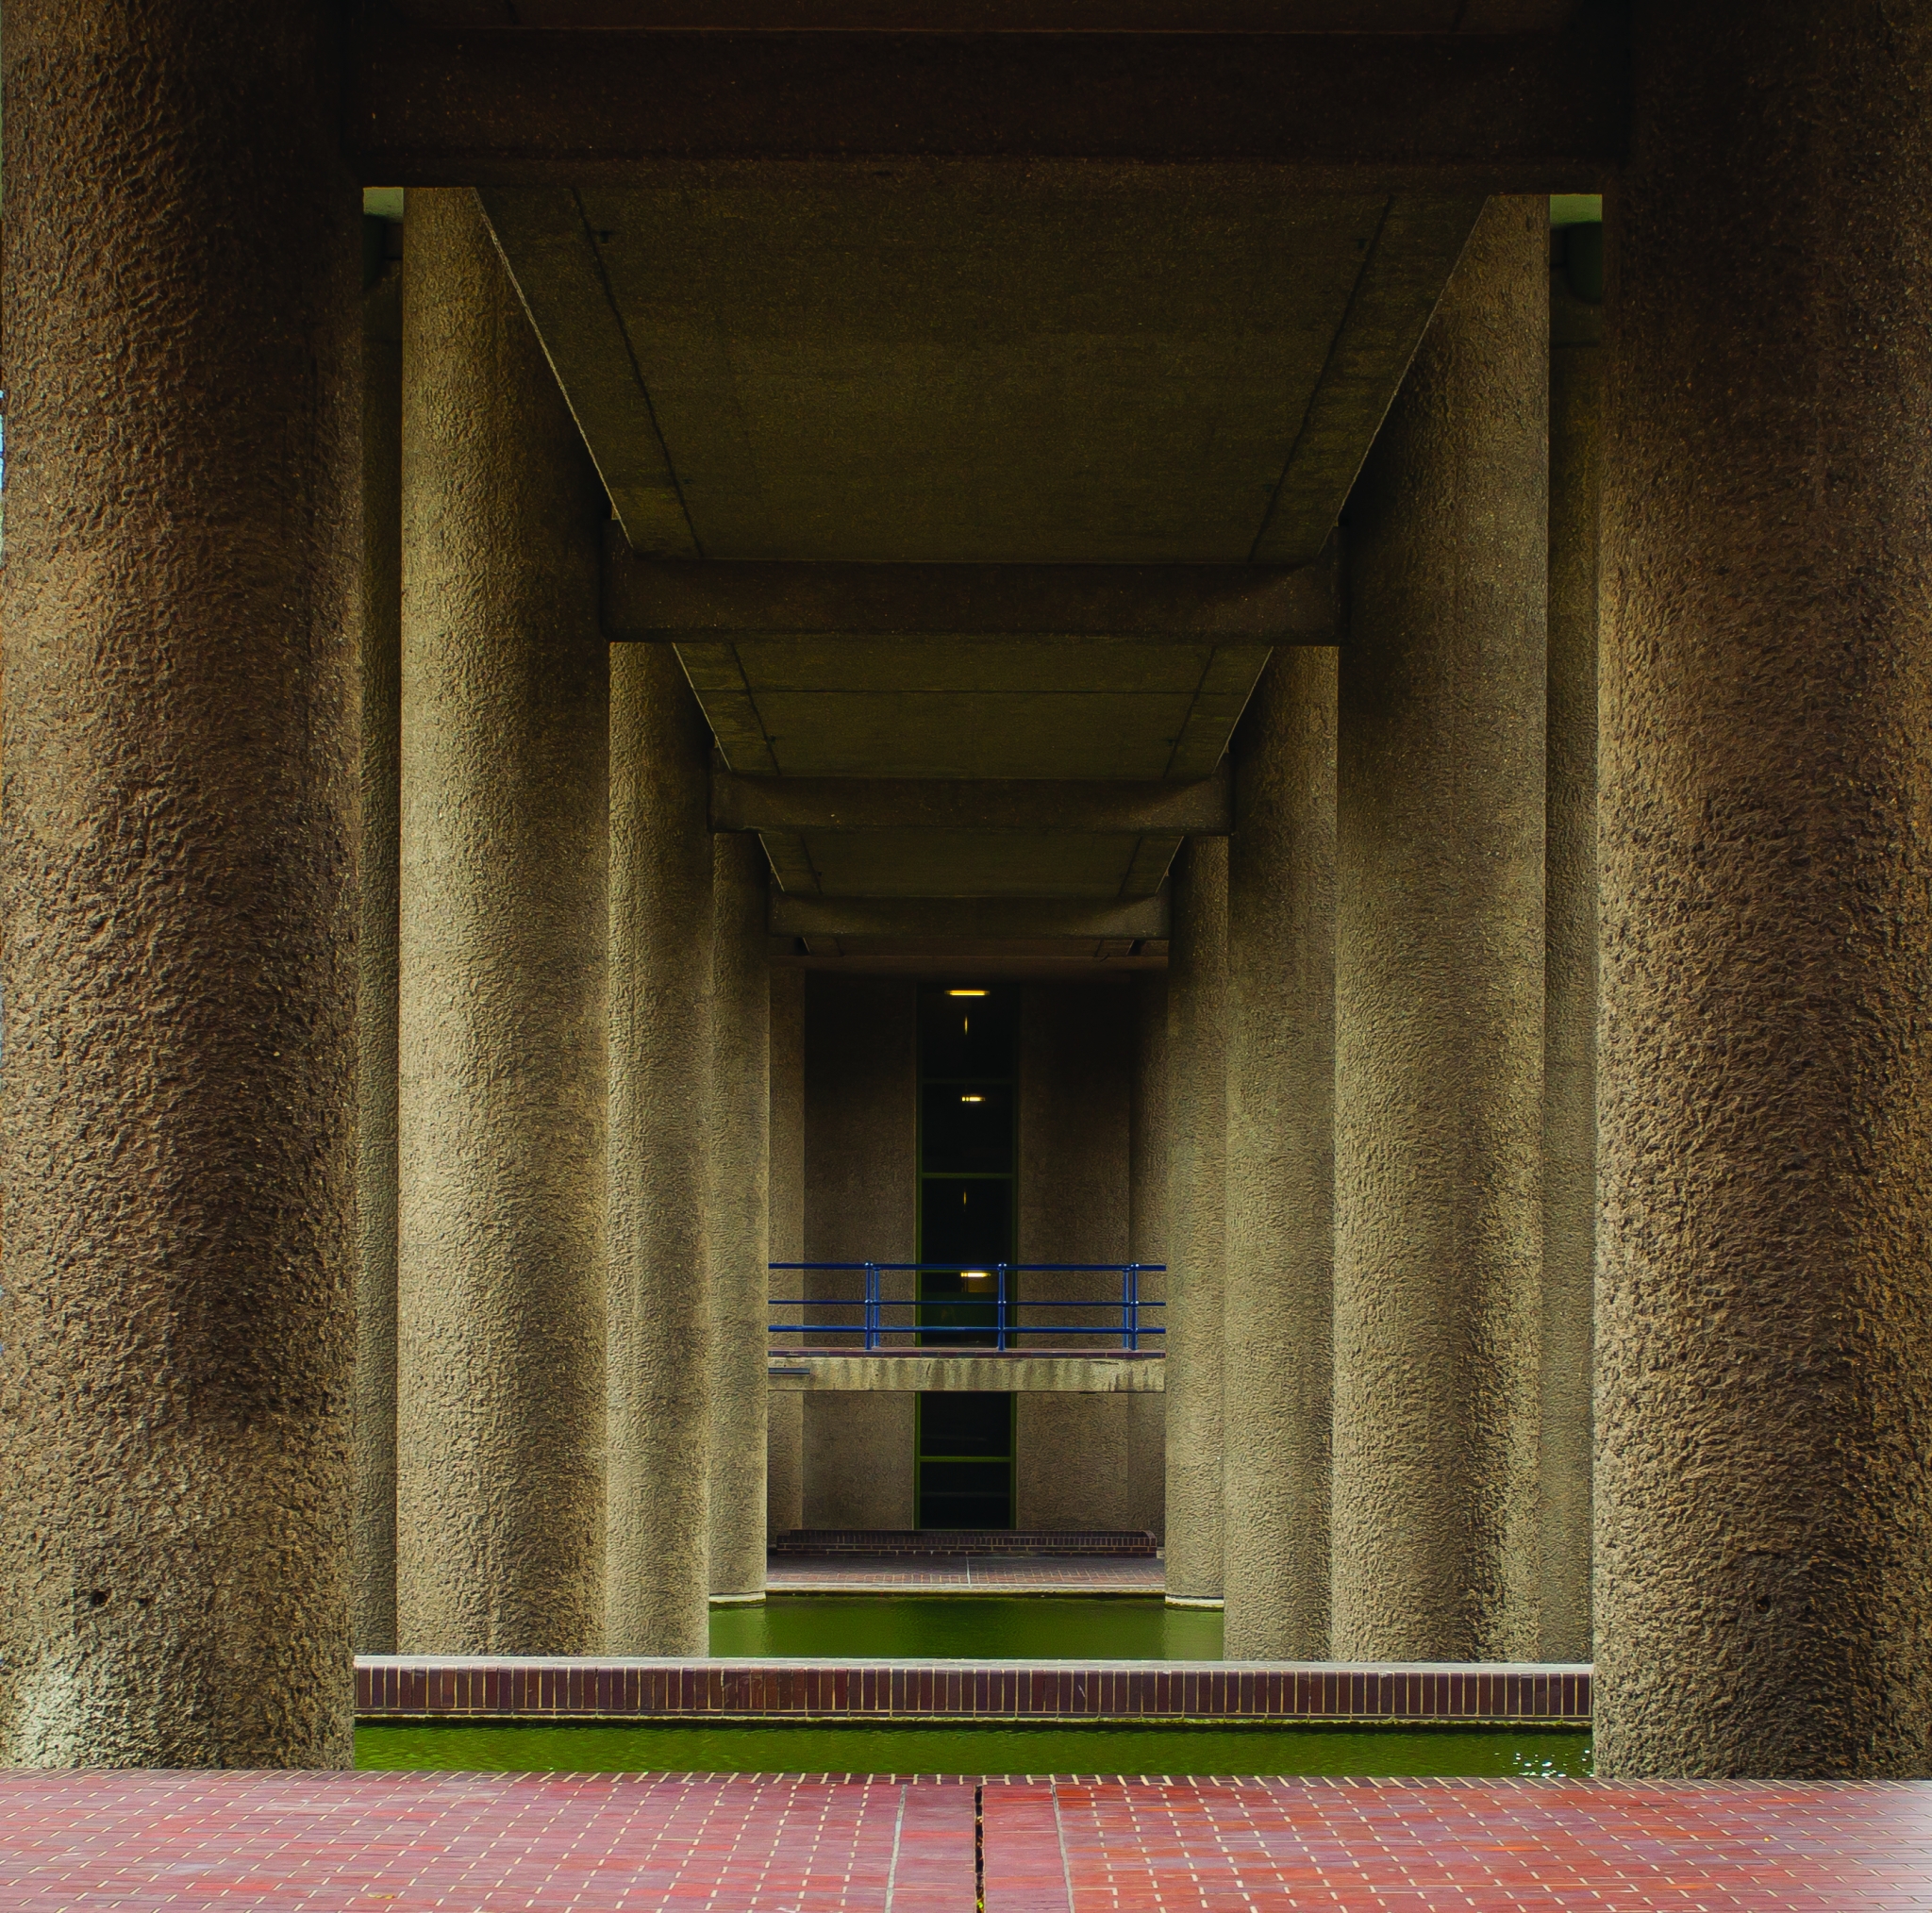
(1070, 1449)
(737, 1219)
(1764, 1289)
(1197, 1212)
(1278, 1358)
(806, 1370)
(1440, 982)
(861, 1169)
(785, 1425)
(1569, 971)
(1147, 1173)
(177, 890)
(374, 1596)
(501, 1241)
(660, 1317)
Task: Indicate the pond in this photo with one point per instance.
(967, 1627)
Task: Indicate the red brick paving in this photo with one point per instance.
(1433, 1846)
(135, 1842)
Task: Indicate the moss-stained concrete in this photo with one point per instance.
(373, 1621)
(1277, 1365)
(861, 1178)
(1570, 971)
(1764, 1299)
(737, 1221)
(178, 903)
(1196, 1217)
(1440, 983)
(785, 1426)
(660, 929)
(501, 1214)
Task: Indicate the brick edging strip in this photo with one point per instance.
(407, 1688)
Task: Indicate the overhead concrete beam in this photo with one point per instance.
(1547, 113)
(1203, 808)
(988, 918)
(681, 602)
(1000, 16)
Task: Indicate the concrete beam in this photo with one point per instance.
(997, 16)
(674, 601)
(1546, 113)
(967, 919)
(1114, 1372)
(897, 803)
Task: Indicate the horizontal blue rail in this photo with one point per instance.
(1004, 1330)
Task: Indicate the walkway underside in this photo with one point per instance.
(136, 1841)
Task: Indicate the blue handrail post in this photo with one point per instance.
(871, 1305)
(1000, 1319)
(1131, 1305)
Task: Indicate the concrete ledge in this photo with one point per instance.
(410, 1687)
(1116, 1372)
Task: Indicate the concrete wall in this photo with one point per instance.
(785, 1429)
(860, 1174)
(1075, 1081)
(1147, 1239)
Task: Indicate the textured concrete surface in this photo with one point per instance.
(1764, 1308)
(1440, 982)
(1277, 1360)
(1070, 1453)
(176, 889)
(861, 1192)
(805, 1370)
(1147, 1173)
(660, 1319)
(1196, 1216)
(785, 1413)
(501, 1072)
(737, 1219)
(379, 843)
(1570, 971)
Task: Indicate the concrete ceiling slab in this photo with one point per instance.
(999, 16)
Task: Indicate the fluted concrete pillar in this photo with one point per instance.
(737, 1221)
(1277, 1366)
(1196, 1217)
(177, 889)
(501, 1239)
(658, 1570)
(374, 1629)
(1440, 982)
(785, 1426)
(1764, 1302)
(1147, 1193)
(1570, 971)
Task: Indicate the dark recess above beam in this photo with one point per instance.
(966, 919)
(863, 803)
(1542, 114)
(682, 601)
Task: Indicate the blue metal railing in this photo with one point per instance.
(1002, 1328)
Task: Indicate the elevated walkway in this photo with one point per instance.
(1114, 1371)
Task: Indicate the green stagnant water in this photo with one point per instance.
(916, 1747)
(911, 1627)
(967, 1627)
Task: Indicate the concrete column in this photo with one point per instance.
(1198, 1217)
(374, 1591)
(659, 1571)
(785, 1426)
(1277, 1365)
(1147, 1175)
(1440, 982)
(1764, 1301)
(501, 1237)
(737, 1221)
(177, 889)
(1570, 971)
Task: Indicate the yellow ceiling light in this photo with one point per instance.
(973, 1099)
(965, 993)
(975, 1274)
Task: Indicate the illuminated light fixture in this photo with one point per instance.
(975, 1274)
(973, 1099)
(965, 993)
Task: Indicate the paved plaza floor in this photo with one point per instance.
(962, 1575)
(141, 1842)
